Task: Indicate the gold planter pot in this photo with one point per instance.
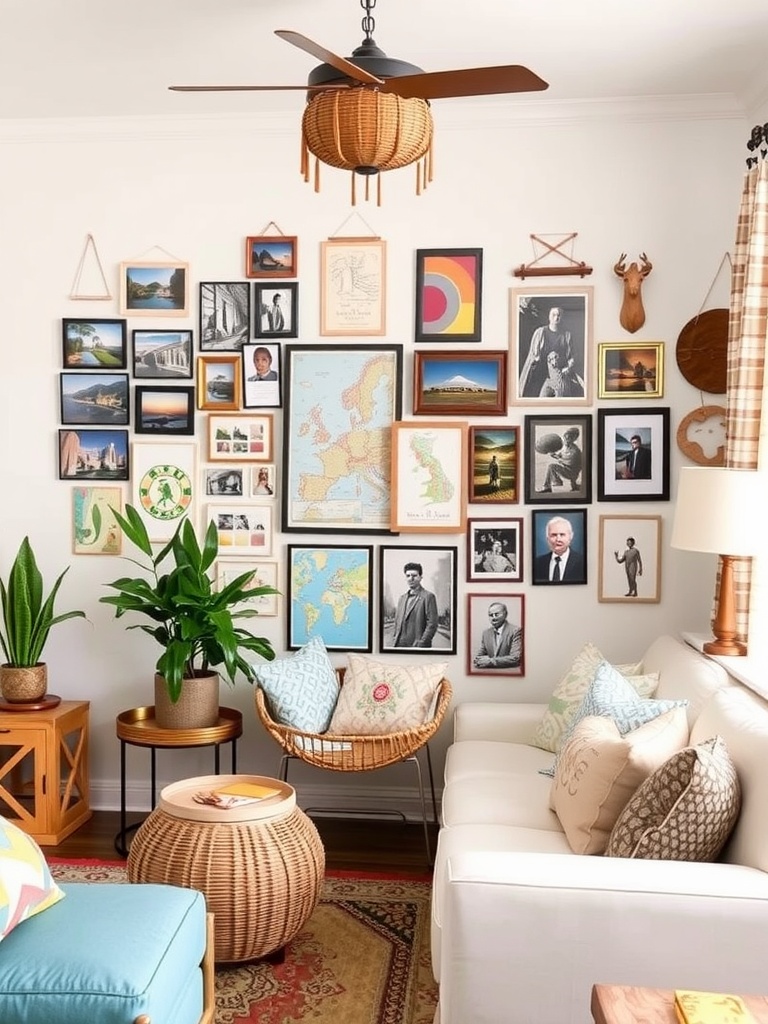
(21, 685)
(196, 708)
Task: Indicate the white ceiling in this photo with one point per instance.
(85, 58)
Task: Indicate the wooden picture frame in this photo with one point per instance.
(276, 310)
(244, 529)
(94, 399)
(164, 410)
(460, 383)
(542, 553)
(225, 315)
(492, 653)
(495, 550)
(154, 288)
(94, 527)
(262, 376)
(275, 256)
(494, 454)
(449, 288)
(93, 343)
(616, 479)
(86, 453)
(630, 369)
(164, 484)
(162, 355)
(558, 459)
(330, 595)
(219, 383)
(629, 560)
(234, 437)
(429, 627)
(551, 351)
(265, 574)
(429, 482)
(353, 287)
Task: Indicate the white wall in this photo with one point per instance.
(665, 181)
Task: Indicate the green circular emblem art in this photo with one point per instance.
(165, 492)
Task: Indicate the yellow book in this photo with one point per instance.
(711, 1008)
(250, 789)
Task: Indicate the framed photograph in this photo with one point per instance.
(633, 454)
(559, 546)
(263, 481)
(227, 482)
(271, 256)
(551, 345)
(94, 344)
(94, 527)
(493, 464)
(429, 483)
(495, 634)
(460, 383)
(219, 382)
(239, 438)
(225, 315)
(162, 355)
(629, 565)
(417, 600)
(631, 369)
(261, 375)
(558, 459)
(340, 403)
(91, 454)
(494, 550)
(162, 410)
(264, 575)
(154, 288)
(243, 529)
(353, 287)
(330, 595)
(163, 484)
(277, 310)
(449, 287)
(94, 399)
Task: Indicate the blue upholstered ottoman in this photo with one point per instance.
(110, 954)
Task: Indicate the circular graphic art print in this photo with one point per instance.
(165, 492)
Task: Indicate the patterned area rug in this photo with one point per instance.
(361, 958)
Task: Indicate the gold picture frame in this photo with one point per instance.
(630, 369)
(219, 382)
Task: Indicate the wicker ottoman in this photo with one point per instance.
(260, 866)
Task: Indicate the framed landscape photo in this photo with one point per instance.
(558, 459)
(429, 492)
(93, 454)
(162, 355)
(94, 399)
(163, 484)
(164, 410)
(494, 550)
(631, 369)
(353, 287)
(493, 464)
(218, 382)
(271, 256)
(417, 599)
(330, 595)
(243, 529)
(551, 343)
(154, 288)
(94, 527)
(449, 286)
(496, 634)
(262, 375)
(264, 575)
(629, 562)
(240, 438)
(225, 315)
(93, 344)
(277, 310)
(460, 383)
(633, 454)
(559, 546)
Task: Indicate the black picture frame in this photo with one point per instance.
(348, 572)
(264, 295)
(162, 355)
(90, 454)
(558, 460)
(576, 566)
(438, 579)
(455, 277)
(487, 656)
(616, 480)
(168, 411)
(94, 343)
(225, 315)
(94, 399)
(495, 552)
(265, 393)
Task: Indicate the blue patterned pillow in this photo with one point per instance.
(26, 885)
(301, 689)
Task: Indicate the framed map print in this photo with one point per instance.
(353, 286)
(330, 592)
(429, 481)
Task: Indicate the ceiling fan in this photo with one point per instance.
(370, 112)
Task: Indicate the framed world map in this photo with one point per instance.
(330, 595)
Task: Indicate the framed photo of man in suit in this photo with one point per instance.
(418, 600)
(559, 546)
(633, 454)
(496, 634)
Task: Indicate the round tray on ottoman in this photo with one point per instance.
(260, 865)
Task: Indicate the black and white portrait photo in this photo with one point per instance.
(418, 599)
(552, 345)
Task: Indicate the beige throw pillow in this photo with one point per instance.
(381, 697)
(599, 770)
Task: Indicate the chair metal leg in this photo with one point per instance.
(415, 759)
(432, 784)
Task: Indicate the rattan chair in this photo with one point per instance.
(353, 753)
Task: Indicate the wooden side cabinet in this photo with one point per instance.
(44, 770)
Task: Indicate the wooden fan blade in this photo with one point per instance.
(437, 85)
(344, 66)
(258, 88)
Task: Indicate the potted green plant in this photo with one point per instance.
(192, 621)
(27, 621)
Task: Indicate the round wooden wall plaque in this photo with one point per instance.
(701, 435)
(702, 348)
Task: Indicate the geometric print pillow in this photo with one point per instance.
(26, 885)
(301, 689)
(685, 810)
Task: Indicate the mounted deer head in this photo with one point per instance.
(632, 315)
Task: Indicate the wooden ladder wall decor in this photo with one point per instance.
(571, 267)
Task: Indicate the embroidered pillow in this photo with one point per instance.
(301, 689)
(26, 885)
(381, 697)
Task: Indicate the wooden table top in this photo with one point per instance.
(623, 1004)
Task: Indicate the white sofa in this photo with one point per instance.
(522, 927)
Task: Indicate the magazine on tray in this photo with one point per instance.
(236, 794)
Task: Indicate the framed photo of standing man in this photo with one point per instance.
(417, 602)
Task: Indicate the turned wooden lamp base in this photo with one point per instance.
(724, 626)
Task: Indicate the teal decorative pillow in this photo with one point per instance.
(301, 689)
(26, 885)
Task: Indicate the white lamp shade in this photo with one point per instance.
(716, 510)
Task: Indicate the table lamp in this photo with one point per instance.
(715, 512)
